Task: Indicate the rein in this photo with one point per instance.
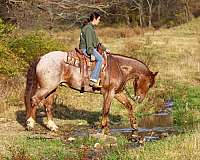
(128, 94)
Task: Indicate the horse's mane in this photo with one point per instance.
(129, 60)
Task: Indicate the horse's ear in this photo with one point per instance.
(154, 74)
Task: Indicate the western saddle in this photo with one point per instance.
(78, 59)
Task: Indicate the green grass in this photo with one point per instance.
(182, 146)
(40, 149)
(187, 108)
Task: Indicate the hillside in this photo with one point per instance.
(173, 52)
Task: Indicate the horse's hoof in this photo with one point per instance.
(30, 124)
(52, 126)
(29, 128)
(135, 127)
(54, 129)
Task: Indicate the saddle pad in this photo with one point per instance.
(72, 59)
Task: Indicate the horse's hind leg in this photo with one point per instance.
(49, 106)
(122, 98)
(40, 94)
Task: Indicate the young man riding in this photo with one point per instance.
(88, 44)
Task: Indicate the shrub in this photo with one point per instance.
(33, 45)
(9, 63)
(5, 28)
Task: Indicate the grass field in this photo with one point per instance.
(173, 52)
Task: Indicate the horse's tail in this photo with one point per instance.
(31, 86)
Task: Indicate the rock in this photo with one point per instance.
(71, 139)
(98, 146)
(107, 141)
(164, 135)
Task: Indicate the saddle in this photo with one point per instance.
(78, 59)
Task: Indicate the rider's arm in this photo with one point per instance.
(89, 41)
(103, 47)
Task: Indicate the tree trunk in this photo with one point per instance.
(150, 4)
(187, 11)
(150, 16)
(141, 16)
(127, 20)
(159, 10)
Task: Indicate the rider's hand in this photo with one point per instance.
(107, 51)
(92, 57)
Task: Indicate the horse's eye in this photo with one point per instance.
(150, 85)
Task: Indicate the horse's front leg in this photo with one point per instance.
(107, 96)
(122, 98)
(49, 106)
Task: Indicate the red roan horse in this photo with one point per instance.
(50, 70)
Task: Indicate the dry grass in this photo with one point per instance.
(123, 32)
(11, 96)
(174, 52)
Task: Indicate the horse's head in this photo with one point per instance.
(142, 84)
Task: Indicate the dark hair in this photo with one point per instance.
(94, 15)
(91, 18)
(85, 21)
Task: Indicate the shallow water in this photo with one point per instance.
(151, 128)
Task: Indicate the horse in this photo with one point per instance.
(49, 71)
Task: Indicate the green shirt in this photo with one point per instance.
(88, 38)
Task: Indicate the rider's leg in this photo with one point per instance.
(97, 69)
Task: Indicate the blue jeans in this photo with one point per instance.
(99, 60)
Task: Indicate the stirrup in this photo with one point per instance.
(95, 84)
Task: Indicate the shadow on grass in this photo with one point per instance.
(66, 113)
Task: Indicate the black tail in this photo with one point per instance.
(31, 86)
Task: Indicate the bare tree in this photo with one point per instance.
(187, 10)
(139, 4)
(67, 13)
(150, 5)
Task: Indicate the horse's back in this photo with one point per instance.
(50, 67)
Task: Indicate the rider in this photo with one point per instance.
(88, 44)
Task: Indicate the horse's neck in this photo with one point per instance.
(130, 68)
